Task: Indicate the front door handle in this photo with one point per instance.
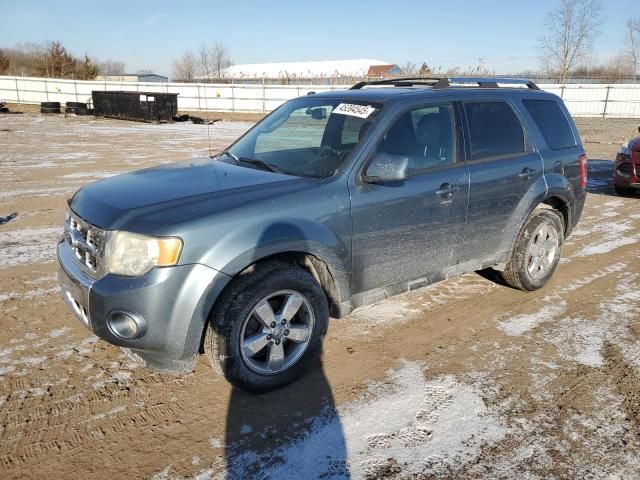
(526, 173)
(446, 191)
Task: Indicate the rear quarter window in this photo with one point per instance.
(552, 123)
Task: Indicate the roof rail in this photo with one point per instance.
(485, 82)
(398, 82)
(444, 82)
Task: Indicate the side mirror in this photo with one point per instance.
(318, 113)
(387, 167)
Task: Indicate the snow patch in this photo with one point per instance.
(428, 427)
(614, 235)
(525, 322)
(579, 340)
(393, 308)
(28, 246)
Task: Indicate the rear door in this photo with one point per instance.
(411, 229)
(503, 166)
(555, 138)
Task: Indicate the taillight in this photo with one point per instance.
(583, 170)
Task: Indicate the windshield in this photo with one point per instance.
(305, 137)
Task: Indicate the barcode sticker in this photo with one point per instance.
(361, 111)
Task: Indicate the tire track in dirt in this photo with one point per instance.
(84, 410)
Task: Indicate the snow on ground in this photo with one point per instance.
(552, 308)
(28, 245)
(438, 425)
(607, 236)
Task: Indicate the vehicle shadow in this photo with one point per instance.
(294, 432)
(274, 435)
(600, 180)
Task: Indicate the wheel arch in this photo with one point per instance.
(556, 197)
(561, 204)
(328, 272)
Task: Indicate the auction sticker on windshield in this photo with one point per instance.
(362, 111)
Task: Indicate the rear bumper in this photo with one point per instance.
(174, 301)
(576, 210)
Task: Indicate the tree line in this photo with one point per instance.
(208, 62)
(53, 60)
(566, 49)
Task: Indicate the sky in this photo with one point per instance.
(151, 34)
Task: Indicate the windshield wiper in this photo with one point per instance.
(261, 164)
(252, 161)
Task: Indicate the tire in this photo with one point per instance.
(235, 321)
(50, 105)
(543, 229)
(622, 191)
(77, 108)
(49, 110)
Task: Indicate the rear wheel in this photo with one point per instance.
(537, 251)
(267, 327)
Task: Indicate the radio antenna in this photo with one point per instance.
(209, 137)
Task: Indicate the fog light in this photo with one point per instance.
(126, 325)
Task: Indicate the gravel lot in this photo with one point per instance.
(463, 379)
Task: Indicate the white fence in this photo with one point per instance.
(583, 100)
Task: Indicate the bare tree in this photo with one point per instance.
(186, 67)
(54, 61)
(111, 67)
(425, 70)
(5, 63)
(569, 40)
(204, 61)
(633, 44)
(220, 59)
(87, 69)
(409, 68)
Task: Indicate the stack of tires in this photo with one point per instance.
(77, 108)
(50, 107)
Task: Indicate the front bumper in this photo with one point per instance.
(626, 170)
(174, 301)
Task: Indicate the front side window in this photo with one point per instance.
(427, 136)
(307, 136)
(494, 130)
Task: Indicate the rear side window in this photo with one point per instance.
(494, 130)
(551, 122)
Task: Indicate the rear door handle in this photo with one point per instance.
(447, 191)
(526, 173)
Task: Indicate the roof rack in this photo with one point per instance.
(438, 83)
(398, 82)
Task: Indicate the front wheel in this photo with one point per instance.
(267, 327)
(537, 251)
(623, 191)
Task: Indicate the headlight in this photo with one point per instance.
(624, 149)
(132, 254)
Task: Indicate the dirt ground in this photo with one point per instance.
(463, 379)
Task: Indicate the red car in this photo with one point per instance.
(626, 169)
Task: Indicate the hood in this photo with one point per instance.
(137, 201)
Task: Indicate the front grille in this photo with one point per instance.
(86, 241)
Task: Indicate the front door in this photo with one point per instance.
(413, 228)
